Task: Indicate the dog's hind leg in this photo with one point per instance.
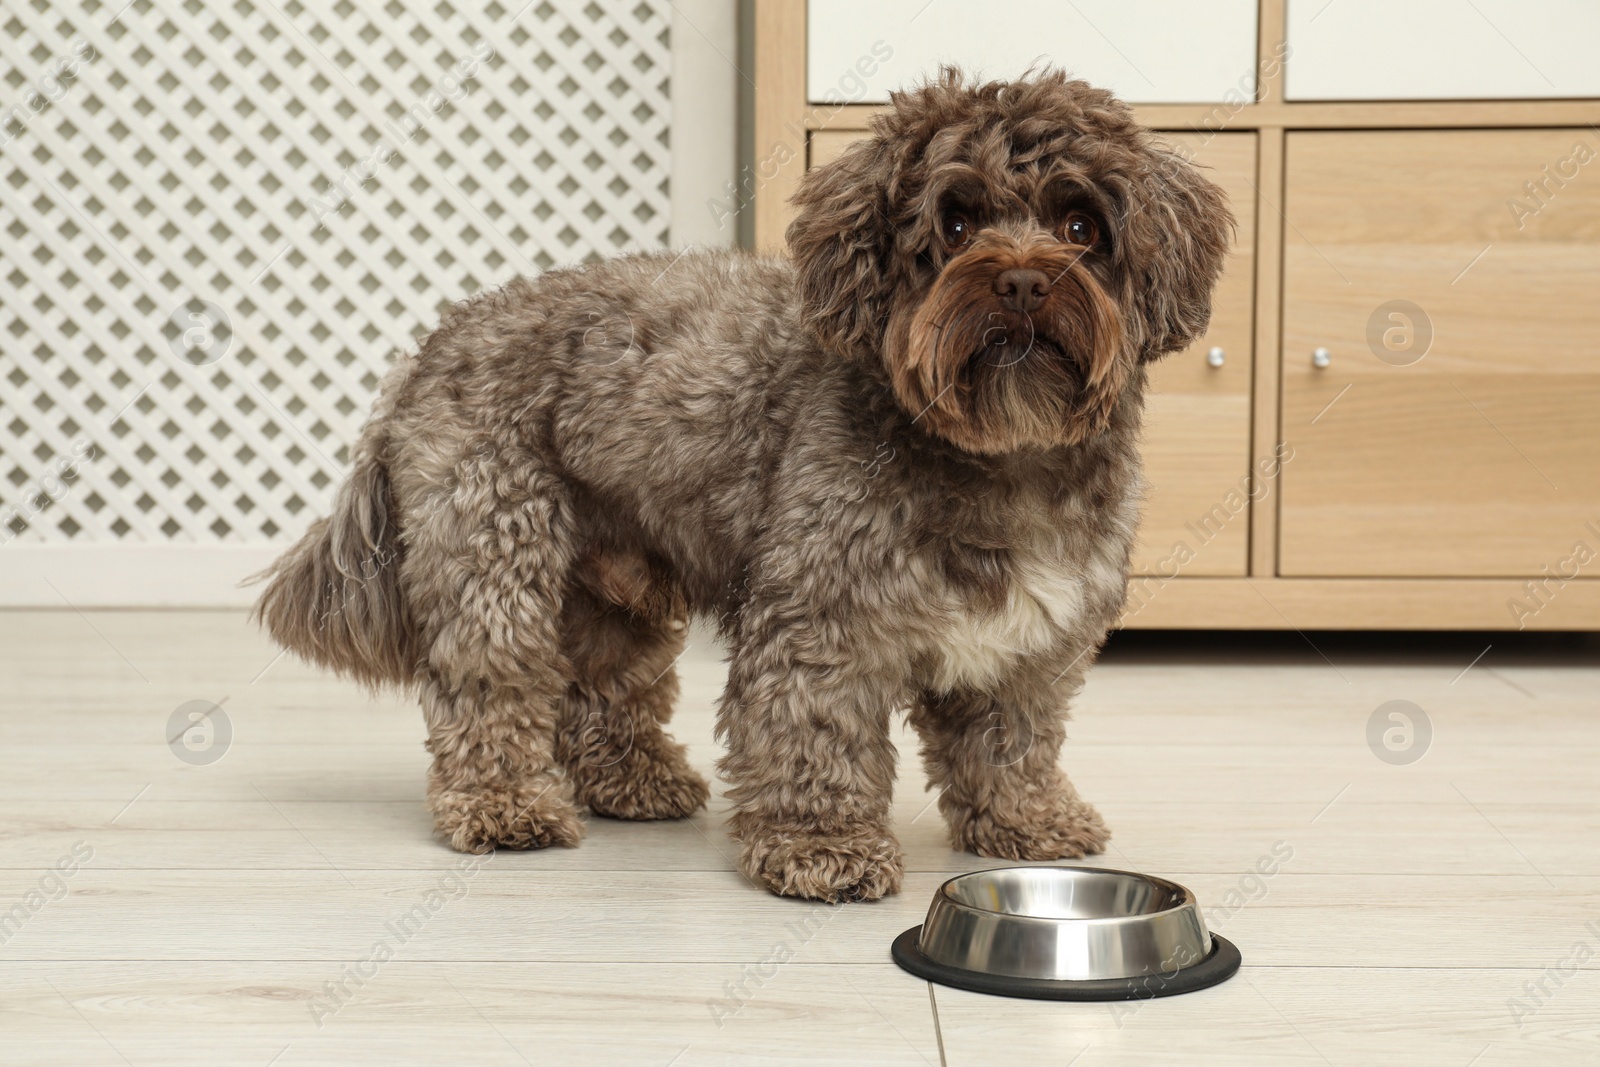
(625, 630)
(488, 564)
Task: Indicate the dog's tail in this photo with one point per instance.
(335, 597)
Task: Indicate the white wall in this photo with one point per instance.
(222, 223)
(705, 119)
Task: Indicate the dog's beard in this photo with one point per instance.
(992, 380)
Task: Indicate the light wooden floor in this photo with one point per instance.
(219, 900)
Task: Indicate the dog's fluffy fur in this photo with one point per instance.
(892, 477)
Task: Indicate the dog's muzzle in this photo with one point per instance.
(1016, 344)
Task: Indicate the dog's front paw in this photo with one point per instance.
(1068, 828)
(535, 815)
(820, 867)
(644, 785)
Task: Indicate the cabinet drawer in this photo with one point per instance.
(1442, 49)
(1197, 417)
(1452, 278)
(856, 52)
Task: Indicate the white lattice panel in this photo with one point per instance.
(220, 221)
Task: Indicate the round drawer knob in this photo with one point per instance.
(1321, 357)
(1216, 357)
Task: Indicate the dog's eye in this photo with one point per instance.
(957, 230)
(1079, 229)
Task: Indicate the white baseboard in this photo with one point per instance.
(131, 576)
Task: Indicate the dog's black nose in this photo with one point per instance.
(1022, 290)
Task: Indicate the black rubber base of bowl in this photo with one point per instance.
(1217, 967)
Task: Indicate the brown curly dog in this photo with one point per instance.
(898, 469)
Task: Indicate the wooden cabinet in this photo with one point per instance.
(1418, 189)
(827, 145)
(1197, 418)
(1453, 430)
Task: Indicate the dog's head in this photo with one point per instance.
(1011, 251)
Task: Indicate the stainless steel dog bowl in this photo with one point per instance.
(1066, 933)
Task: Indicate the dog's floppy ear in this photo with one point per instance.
(1179, 232)
(841, 242)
